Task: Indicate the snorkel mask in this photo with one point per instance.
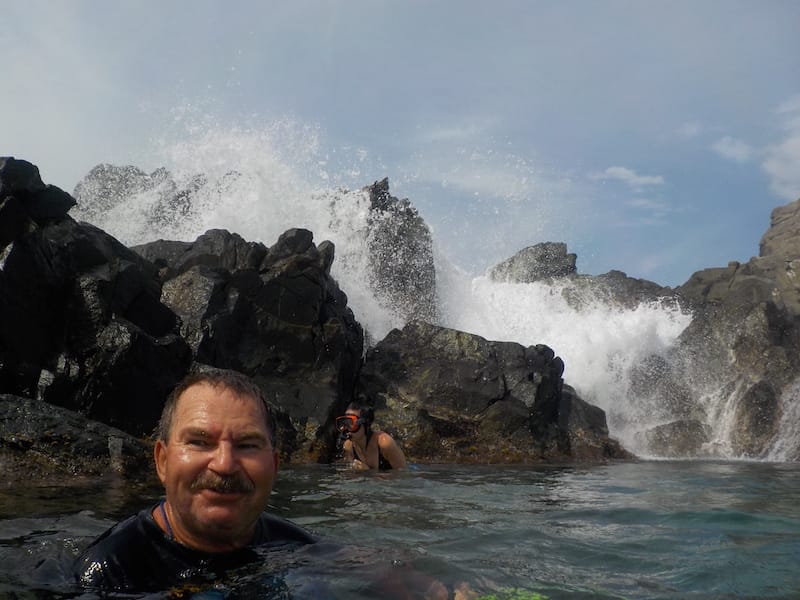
(349, 423)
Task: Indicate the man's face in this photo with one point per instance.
(218, 468)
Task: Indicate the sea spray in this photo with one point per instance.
(599, 343)
(257, 183)
(261, 182)
(786, 444)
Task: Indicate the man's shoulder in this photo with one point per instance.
(277, 530)
(132, 530)
(107, 562)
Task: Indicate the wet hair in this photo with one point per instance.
(365, 412)
(239, 384)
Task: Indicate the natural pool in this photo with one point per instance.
(643, 530)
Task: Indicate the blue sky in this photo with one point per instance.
(651, 137)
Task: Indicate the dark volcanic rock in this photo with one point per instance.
(275, 314)
(550, 262)
(24, 198)
(453, 396)
(67, 293)
(744, 339)
(536, 263)
(216, 248)
(39, 440)
(401, 259)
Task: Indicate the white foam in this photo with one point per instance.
(284, 178)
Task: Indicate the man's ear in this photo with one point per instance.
(276, 459)
(160, 458)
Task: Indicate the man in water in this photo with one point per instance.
(216, 457)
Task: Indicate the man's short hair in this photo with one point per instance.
(239, 384)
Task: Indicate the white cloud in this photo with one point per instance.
(466, 130)
(689, 130)
(782, 160)
(792, 105)
(629, 176)
(655, 206)
(733, 149)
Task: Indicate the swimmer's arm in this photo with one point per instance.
(391, 451)
(347, 451)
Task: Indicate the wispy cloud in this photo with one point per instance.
(656, 207)
(782, 160)
(733, 149)
(689, 130)
(467, 130)
(629, 176)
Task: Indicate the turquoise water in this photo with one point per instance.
(645, 530)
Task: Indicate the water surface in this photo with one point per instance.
(645, 530)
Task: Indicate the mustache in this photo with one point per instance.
(223, 484)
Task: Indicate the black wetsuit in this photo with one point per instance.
(136, 555)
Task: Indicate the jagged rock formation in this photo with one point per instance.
(275, 314)
(782, 239)
(742, 349)
(402, 265)
(84, 325)
(94, 332)
(536, 263)
(41, 440)
(106, 187)
(550, 263)
(454, 396)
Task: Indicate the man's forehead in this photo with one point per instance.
(204, 400)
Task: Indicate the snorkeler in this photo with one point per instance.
(363, 448)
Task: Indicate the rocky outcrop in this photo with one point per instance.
(739, 357)
(274, 314)
(536, 263)
(107, 187)
(550, 263)
(401, 271)
(83, 326)
(401, 255)
(86, 326)
(42, 441)
(742, 347)
(782, 239)
(453, 396)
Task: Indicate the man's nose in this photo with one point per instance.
(224, 458)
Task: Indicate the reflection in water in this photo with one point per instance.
(650, 530)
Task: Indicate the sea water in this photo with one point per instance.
(637, 530)
(646, 530)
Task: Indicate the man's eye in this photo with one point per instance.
(200, 443)
(249, 446)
